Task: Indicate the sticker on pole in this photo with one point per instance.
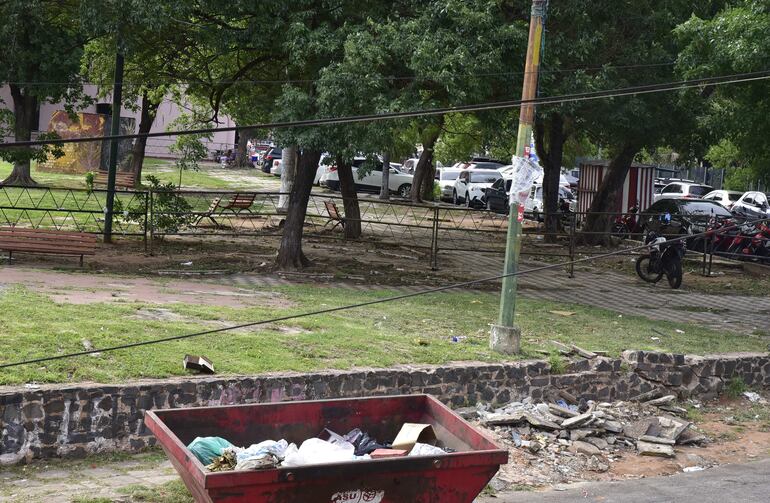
(524, 173)
(358, 496)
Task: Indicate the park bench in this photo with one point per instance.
(236, 203)
(334, 215)
(44, 241)
(123, 180)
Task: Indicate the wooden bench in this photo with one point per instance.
(334, 215)
(15, 239)
(123, 179)
(236, 203)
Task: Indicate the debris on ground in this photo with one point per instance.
(561, 441)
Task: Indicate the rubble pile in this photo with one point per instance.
(560, 440)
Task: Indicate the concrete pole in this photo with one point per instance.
(505, 337)
(117, 96)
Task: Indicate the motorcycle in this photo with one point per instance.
(665, 258)
(627, 224)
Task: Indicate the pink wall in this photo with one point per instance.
(167, 113)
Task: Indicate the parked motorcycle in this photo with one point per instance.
(665, 258)
(627, 224)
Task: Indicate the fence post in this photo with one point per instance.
(434, 241)
(573, 225)
(711, 251)
(706, 241)
(146, 211)
(151, 196)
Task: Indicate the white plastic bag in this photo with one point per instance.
(524, 173)
(316, 451)
(426, 450)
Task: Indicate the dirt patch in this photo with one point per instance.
(89, 288)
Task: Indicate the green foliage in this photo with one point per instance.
(735, 387)
(436, 191)
(735, 40)
(557, 363)
(190, 147)
(171, 212)
(90, 180)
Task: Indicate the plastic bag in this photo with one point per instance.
(206, 449)
(272, 447)
(524, 173)
(425, 450)
(316, 451)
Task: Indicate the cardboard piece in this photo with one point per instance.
(199, 363)
(411, 433)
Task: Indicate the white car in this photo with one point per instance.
(398, 182)
(534, 203)
(752, 205)
(678, 190)
(724, 197)
(471, 186)
(445, 177)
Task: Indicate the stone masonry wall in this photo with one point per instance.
(74, 420)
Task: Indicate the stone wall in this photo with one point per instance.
(74, 420)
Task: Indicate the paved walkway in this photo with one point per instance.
(623, 293)
(745, 483)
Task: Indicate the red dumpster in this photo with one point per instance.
(456, 477)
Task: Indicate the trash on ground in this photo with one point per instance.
(563, 438)
(199, 363)
(752, 397)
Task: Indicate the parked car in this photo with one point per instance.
(752, 205)
(534, 203)
(277, 167)
(724, 197)
(497, 196)
(269, 157)
(445, 177)
(471, 184)
(679, 217)
(398, 182)
(683, 189)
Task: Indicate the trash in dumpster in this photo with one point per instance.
(426, 450)
(225, 462)
(411, 433)
(453, 477)
(267, 454)
(315, 451)
(206, 449)
(387, 453)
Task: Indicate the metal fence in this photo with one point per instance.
(433, 227)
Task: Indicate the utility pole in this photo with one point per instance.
(117, 96)
(505, 337)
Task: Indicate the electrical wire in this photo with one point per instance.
(367, 303)
(499, 105)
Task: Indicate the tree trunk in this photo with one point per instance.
(288, 173)
(429, 179)
(550, 152)
(149, 111)
(242, 154)
(349, 199)
(597, 227)
(424, 166)
(290, 256)
(385, 187)
(24, 110)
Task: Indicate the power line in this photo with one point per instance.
(499, 105)
(367, 303)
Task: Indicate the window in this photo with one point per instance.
(733, 197)
(749, 200)
(498, 184)
(449, 175)
(485, 177)
(508, 185)
(674, 188)
(464, 177)
(699, 190)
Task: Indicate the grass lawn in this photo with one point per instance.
(416, 330)
(164, 169)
